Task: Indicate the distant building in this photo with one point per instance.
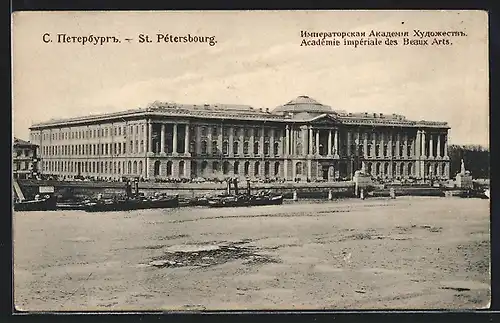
(302, 139)
(24, 159)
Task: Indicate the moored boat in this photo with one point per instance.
(47, 203)
(129, 204)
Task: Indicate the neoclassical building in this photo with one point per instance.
(300, 139)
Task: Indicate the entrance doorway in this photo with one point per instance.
(325, 169)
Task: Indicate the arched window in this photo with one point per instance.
(247, 168)
(386, 169)
(215, 167)
(194, 169)
(225, 168)
(236, 147)
(276, 169)
(169, 168)
(377, 169)
(204, 147)
(401, 169)
(215, 149)
(181, 168)
(225, 148)
(236, 168)
(266, 168)
(443, 170)
(156, 168)
(266, 148)
(369, 168)
(410, 169)
(298, 168)
(204, 166)
(256, 148)
(245, 147)
(129, 168)
(276, 148)
(192, 146)
(135, 167)
(140, 167)
(256, 169)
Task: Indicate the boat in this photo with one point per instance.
(47, 203)
(72, 205)
(248, 199)
(128, 204)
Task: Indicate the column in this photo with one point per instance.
(382, 146)
(287, 141)
(174, 141)
(431, 146)
(365, 145)
(231, 142)
(150, 137)
(438, 152)
(251, 143)
(241, 142)
(329, 143)
(389, 147)
(162, 138)
(261, 148)
(446, 146)
(317, 142)
(311, 150)
(398, 145)
(422, 152)
(304, 140)
(271, 143)
(197, 138)
(336, 142)
(186, 141)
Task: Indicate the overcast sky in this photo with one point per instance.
(258, 61)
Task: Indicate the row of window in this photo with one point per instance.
(116, 148)
(107, 131)
(236, 131)
(17, 166)
(236, 147)
(226, 167)
(103, 167)
(397, 169)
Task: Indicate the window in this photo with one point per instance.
(203, 131)
(236, 147)
(247, 168)
(225, 131)
(236, 168)
(256, 169)
(225, 168)
(215, 149)
(266, 148)
(276, 168)
(214, 131)
(245, 147)
(256, 148)
(276, 148)
(204, 147)
(225, 148)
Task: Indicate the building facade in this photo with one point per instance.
(24, 159)
(302, 139)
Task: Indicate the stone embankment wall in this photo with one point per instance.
(188, 190)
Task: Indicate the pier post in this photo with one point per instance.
(362, 194)
(295, 198)
(330, 195)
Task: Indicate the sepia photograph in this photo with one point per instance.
(250, 160)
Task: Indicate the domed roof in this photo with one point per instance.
(303, 103)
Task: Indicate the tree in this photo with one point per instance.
(476, 160)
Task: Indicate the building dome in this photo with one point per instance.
(303, 104)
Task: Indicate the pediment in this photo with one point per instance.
(326, 119)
